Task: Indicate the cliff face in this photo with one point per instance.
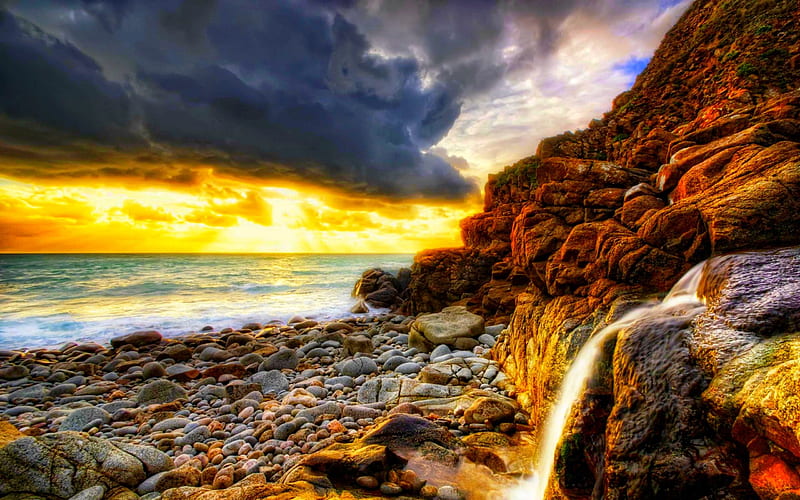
(699, 158)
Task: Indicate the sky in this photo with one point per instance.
(289, 126)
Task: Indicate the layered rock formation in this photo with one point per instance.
(701, 157)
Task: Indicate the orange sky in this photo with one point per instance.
(217, 215)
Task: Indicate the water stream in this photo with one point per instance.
(582, 367)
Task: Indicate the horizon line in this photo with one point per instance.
(207, 253)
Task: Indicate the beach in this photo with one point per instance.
(260, 405)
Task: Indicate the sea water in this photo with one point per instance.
(49, 299)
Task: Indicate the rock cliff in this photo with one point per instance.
(701, 157)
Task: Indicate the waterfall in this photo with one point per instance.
(535, 488)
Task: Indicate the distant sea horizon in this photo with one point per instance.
(50, 298)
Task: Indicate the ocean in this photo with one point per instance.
(49, 299)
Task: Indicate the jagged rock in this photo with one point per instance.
(63, 464)
(393, 391)
(441, 277)
(360, 307)
(380, 288)
(246, 490)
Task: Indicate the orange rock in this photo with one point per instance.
(770, 476)
(335, 426)
(8, 433)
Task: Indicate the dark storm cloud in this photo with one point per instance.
(342, 94)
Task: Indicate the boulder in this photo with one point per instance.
(379, 288)
(444, 327)
(63, 464)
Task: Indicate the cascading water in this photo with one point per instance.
(535, 488)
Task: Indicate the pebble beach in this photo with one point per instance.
(262, 407)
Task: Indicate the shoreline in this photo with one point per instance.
(276, 322)
(51, 302)
(260, 401)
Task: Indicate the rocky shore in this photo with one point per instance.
(368, 406)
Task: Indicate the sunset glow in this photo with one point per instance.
(220, 217)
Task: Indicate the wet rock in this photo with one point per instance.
(378, 288)
(402, 432)
(182, 373)
(360, 307)
(137, 339)
(492, 410)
